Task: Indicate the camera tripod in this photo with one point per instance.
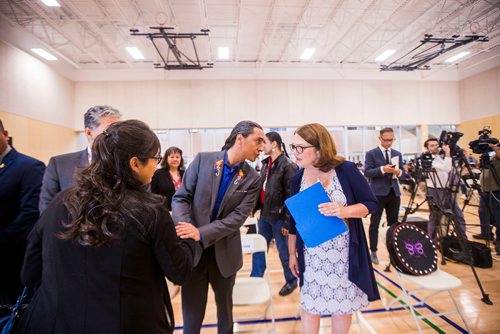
(441, 203)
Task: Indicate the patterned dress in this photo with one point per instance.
(327, 289)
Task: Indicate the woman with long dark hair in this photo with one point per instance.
(168, 178)
(277, 170)
(100, 252)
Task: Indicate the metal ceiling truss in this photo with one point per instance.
(181, 61)
(418, 60)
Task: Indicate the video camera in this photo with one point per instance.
(424, 161)
(450, 138)
(481, 145)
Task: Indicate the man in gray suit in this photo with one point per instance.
(217, 194)
(61, 169)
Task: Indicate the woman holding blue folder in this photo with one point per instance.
(336, 276)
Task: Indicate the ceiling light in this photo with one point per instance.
(135, 53)
(223, 52)
(457, 57)
(44, 54)
(384, 55)
(307, 53)
(51, 3)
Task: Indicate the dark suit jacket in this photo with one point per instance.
(115, 288)
(381, 183)
(20, 182)
(195, 199)
(60, 174)
(162, 184)
(356, 190)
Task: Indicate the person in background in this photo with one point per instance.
(383, 166)
(100, 251)
(336, 276)
(218, 192)
(165, 182)
(168, 178)
(20, 183)
(437, 188)
(489, 202)
(277, 170)
(61, 170)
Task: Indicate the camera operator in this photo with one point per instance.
(490, 197)
(437, 188)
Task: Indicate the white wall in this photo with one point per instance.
(480, 95)
(29, 88)
(222, 103)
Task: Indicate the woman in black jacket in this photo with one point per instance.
(100, 252)
(168, 178)
(276, 172)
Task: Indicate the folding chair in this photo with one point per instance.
(251, 291)
(435, 283)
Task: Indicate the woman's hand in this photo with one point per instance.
(334, 209)
(187, 231)
(294, 265)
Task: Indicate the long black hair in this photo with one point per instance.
(107, 193)
(274, 136)
(244, 128)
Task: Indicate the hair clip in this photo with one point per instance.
(106, 133)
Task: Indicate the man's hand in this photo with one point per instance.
(390, 169)
(187, 231)
(446, 150)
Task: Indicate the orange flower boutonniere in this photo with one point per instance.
(218, 167)
(239, 177)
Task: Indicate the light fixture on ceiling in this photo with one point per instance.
(457, 57)
(135, 53)
(384, 55)
(51, 3)
(44, 54)
(223, 52)
(307, 53)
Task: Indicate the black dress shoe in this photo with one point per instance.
(288, 288)
(482, 237)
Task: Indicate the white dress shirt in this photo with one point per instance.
(442, 166)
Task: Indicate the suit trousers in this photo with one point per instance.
(391, 205)
(195, 292)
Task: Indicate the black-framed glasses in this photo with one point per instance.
(158, 159)
(299, 149)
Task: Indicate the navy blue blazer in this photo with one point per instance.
(381, 183)
(356, 190)
(20, 183)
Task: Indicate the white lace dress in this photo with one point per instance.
(327, 289)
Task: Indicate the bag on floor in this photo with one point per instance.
(478, 253)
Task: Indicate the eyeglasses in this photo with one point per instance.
(299, 149)
(158, 159)
(388, 140)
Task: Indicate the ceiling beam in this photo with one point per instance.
(305, 8)
(348, 31)
(57, 28)
(107, 43)
(376, 29)
(39, 41)
(263, 46)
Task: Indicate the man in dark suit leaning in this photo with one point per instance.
(217, 194)
(61, 169)
(383, 166)
(20, 182)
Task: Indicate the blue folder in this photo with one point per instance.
(314, 228)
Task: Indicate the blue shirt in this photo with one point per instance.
(228, 174)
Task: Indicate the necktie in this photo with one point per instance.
(387, 157)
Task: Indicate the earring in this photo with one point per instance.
(272, 150)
